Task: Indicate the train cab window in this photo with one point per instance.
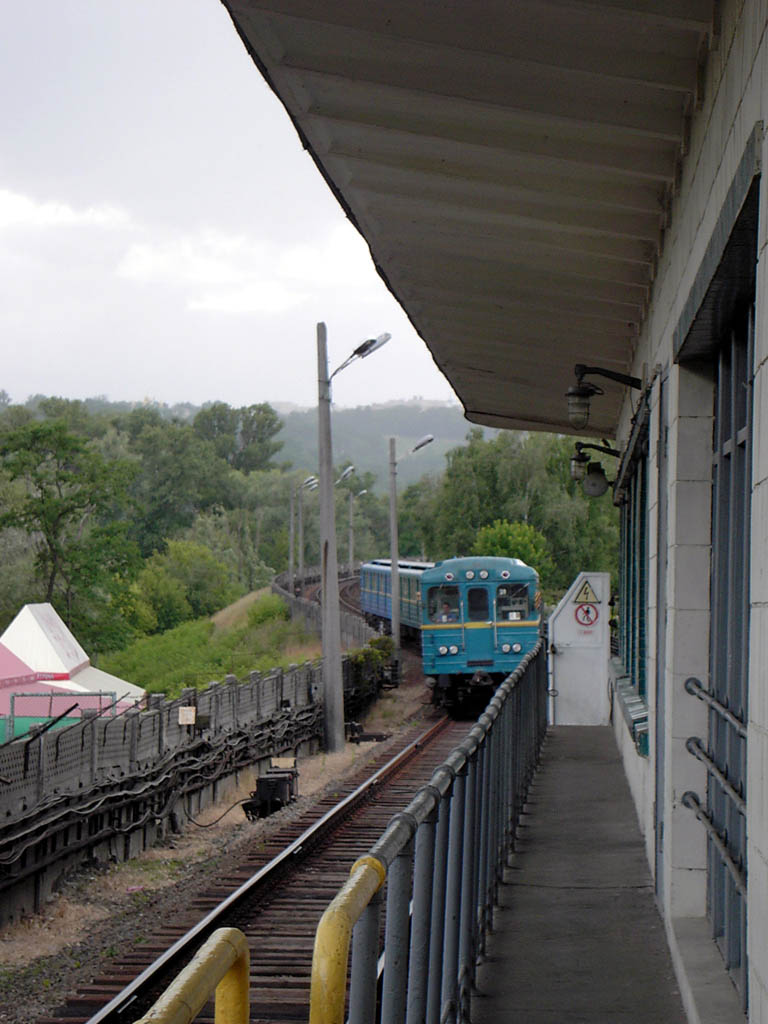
(443, 604)
(477, 604)
(512, 602)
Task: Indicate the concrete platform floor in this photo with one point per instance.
(578, 937)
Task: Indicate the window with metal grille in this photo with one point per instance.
(729, 640)
(633, 572)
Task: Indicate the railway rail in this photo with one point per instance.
(275, 895)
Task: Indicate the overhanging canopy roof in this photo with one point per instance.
(511, 165)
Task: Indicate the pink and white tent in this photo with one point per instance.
(38, 639)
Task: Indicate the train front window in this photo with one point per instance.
(512, 602)
(443, 604)
(477, 604)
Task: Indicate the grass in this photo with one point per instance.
(196, 653)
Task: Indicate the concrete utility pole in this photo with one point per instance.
(394, 552)
(333, 686)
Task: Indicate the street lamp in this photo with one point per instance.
(352, 497)
(393, 539)
(333, 691)
(310, 484)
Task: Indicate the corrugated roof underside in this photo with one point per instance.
(511, 166)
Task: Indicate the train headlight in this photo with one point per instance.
(505, 648)
(517, 648)
(470, 574)
(483, 574)
(504, 574)
(442, 649)
(453, 649)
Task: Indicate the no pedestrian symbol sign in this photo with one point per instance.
(586, 614)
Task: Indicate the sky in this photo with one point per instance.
(162, 233)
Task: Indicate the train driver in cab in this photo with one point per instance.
(446, 613)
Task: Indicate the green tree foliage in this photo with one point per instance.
(516, 540)
(179, 476)
(184, 582)
(523, 478)
(70, 502)
(243, 437)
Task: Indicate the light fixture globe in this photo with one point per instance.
(578, 397)
(595, 482)
(579, 463)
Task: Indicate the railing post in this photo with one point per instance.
(467, 930)
(449, 990)
(418, 960)
(437, 922)
(365, 956)
(393, 996)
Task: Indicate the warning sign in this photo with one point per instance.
(586, 594)
(587, 614)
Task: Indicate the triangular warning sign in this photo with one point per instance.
(586, 595)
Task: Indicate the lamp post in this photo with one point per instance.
(310, 484)
(333, 691)
(393, 539)
(352, 497)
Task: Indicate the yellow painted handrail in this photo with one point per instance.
(329, 961)
(221, 964)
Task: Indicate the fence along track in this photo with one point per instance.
(278, 906)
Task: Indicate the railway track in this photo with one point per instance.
(275, 894)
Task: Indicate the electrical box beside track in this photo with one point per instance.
(579, 638)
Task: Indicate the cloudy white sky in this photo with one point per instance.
(162, 233)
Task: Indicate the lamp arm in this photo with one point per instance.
(622, 378)
(603, 449)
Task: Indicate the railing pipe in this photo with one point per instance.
(329, 965)
(460, 827)
(221, 965)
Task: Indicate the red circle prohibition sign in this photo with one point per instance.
(587, 614)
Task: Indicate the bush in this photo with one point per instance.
(268, 608)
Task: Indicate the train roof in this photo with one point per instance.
(386, 563)
(496, 567)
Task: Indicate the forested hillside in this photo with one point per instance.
(132, 520)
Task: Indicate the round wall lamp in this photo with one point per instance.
(580, 394)
(595, 483)
(591, 474)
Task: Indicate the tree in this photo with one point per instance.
(179, 475)
(70, 502)
(242, 437)
(516, 540)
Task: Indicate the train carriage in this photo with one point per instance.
(376, 594)
(480, 616)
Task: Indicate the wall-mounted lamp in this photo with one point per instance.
(592, 475)
(582, 391)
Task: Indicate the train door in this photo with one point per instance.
(477, 626)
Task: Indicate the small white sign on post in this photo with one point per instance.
(579, 637)
(187, 715)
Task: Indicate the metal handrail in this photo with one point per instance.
(692, 802)
(222, 964)
(445, 853)
(694, 687)
(694, 746)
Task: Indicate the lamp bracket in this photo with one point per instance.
(622, 378)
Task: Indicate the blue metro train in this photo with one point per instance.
(477, 618)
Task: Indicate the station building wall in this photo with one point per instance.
(720, 172)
